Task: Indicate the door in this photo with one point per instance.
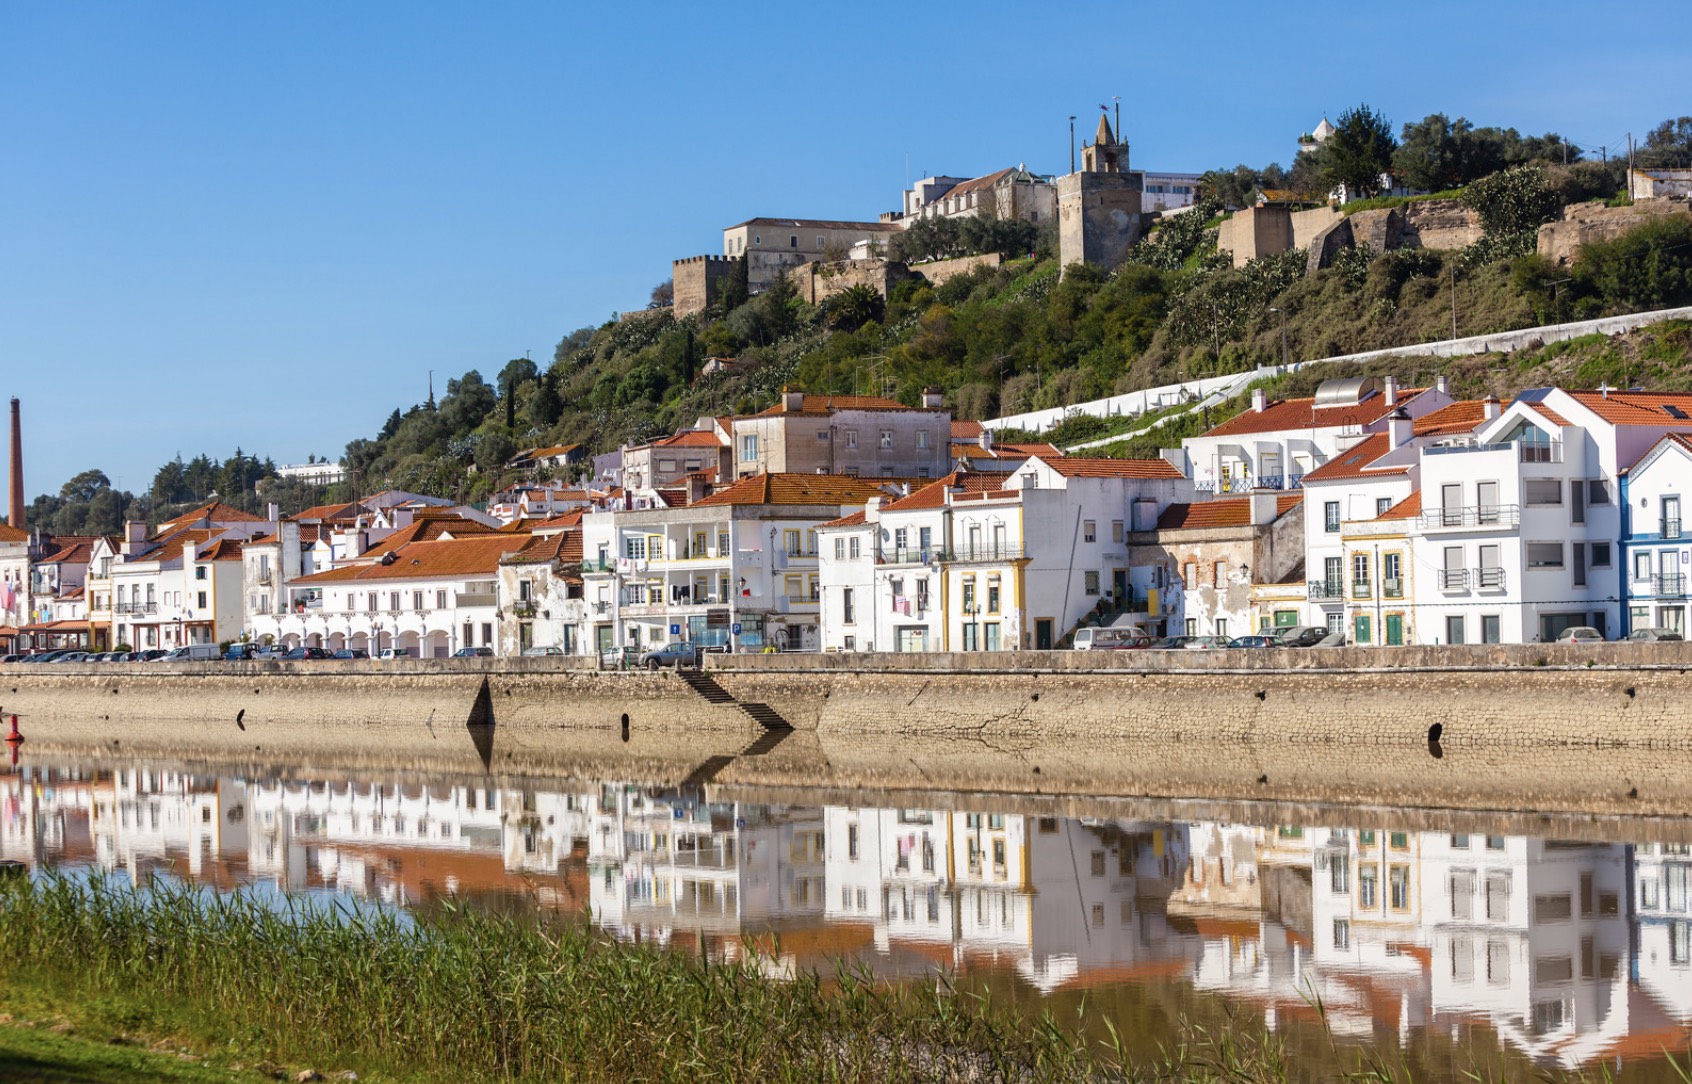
(1119, 585)
(1486, 494)
(1395, 630)
(1042, 634)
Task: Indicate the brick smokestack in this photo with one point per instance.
(17, 506)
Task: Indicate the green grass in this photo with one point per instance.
(1383, 202)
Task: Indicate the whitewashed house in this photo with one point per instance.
(1656, 545)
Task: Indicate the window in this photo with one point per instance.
(848, 606)
(839, 549)
(1641, 564)
(634, 547)
(1600, 554)
(992, 594)
(851, 438)
(853, 548)
(1342, 933)
(887, 438)
(1091, 579)
(1360, 575)
(1490, 629)
(1552, 969)
(1454, 629)
(202, 600)
(487, 634)
(1339, 873)
(1368, 883)
(793, 586)
(791, 543)
(1545, 555)
(1190, 574)
(1462, 895)
(1116, 534)
(1392, 584)
(199, 572)
(1497, 896)
(852, 842)
(1381, 506)
(1498, 963)
(1098, 863)
(1331, 517)
(1398, 888)
(1222, 627)
(1577, 558)
(1089, 531)
(793, 240)
(1540, 491)
(922, 438)
(749, 447)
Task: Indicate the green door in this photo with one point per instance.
(1360, 630)
(1395, 630)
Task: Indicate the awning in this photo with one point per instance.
(56, 626)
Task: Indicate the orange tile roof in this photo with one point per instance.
(75, 553)
(1228, 512)
(480, 554)
(568, 519)
(1073, 466)
(429, 529)
(1636, 408)
(1555, 418)
(824, 489)
(214, 512)
(1460, 417)
(556, 449)
(9, 533)
(224, 549)
(828, 404)
(978, 184)
(962, 430)
(856, 519)
(934, 495)
(565, 546)
(350, 510)
(1408, 508)
(1304, 414)
(1356, 461)
(691, 438)
(1042, 450)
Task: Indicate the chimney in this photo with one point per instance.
(272, 512)
(932, 398)
(1259, 401)
(16, 514)
(1399, 428)
(985, 439)
(872, 509)
(134, 534)
(792, 400)
(1491, 407)
(1263, 504)
(1443, 384)
(1390, 390)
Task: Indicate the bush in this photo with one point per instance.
(1513, 201)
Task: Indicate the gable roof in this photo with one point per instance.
(1667, 440)
(565, 547)
(213, 512)
(1227, 512)
(428, 529)
(856, 519)
(1074, 466)
(1355, 462)
(1408, 508)
(691, 438)
(1637, 408)
(9, 533)
(424, 560)
(824, 489)
(977, 184)
(820, 224)
(224, 549)
(934, 496)
(965, 430)
(1305, 414)
(1463, 416)
(350, 510)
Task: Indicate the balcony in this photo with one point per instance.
(1361, 589)
(906, 555)
(1392, 587)
(1324, 589)
(463, 599)
(1489, 579)
(1526, 453)
(266, 577)
(1472, 516)
(1669, 528)
(1246, 483)
(986, 552)
(136, 608)
(1453, 579)
(601, 607)
(1669, 584)
(599, 564)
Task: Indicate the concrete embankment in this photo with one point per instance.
(1606, 729)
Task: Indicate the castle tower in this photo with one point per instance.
(1099, 207)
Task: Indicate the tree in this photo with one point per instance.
(663, 295)
(1668, 144)
(1358, 152)
(493, 451)
(1513, 202)
(571, 345)
(85, 487)
(854, 307)
(544, 405)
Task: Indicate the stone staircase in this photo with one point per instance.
(706, 686)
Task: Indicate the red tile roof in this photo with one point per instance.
(934, 495)
(9, 533)
(1355, 462)
(1304, 414)
(856, 519)
(214, 512)
(1227, 512)
(692, 438)
(823, 489)
(965, 430)
(978, 184)
(224, 549)
(1460, 417)
(1073, 466)
(1408, 508)
(565, 546)
(1555, 418)
(1667, 438)
(428, 529)
(350, 510)
(424, 560)
(1044, 451)
(1636, 407)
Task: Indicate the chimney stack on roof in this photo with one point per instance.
(1491, 407)
(1390, 390)
(1399, 428)
(1264, 502)
(933, 398)
(1442, 384)
(16, 508)
(1259, 400)
(792, 400)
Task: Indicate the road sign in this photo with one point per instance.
(735, 628)
(675, 630)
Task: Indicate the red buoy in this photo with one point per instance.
(14, 737)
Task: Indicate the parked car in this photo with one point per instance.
(473, 653)
(1638, 636)
(300, 654)
(677, 654)
(537, 652)
(1302, 636)
(4, 659)
(192, 653)
(1254, 641)
(241, 652)
(1205, 643)
(1137, 642)
(1580, 634)
(352, 653)
(1170, 643)
(394, 653)
(1333, 639)
(1095, 639)
(72, 656)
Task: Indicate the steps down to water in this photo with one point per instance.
(706, 686)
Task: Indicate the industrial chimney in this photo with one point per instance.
(16, 518)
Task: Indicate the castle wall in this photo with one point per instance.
(1098, 217)
(698, 282)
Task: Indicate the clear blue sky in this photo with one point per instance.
(229, 224)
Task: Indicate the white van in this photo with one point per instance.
(193, 653)
(394, 653)
(1099, 639)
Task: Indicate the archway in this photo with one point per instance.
(408, 642)
(437, 647)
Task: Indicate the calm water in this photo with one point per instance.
(1564, 953)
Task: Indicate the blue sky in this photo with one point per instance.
(260, 226)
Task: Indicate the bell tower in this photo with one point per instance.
(1099, 206)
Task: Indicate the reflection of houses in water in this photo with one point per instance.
(44, 815)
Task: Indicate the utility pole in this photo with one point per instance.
(1118, 100)
(1454, 299)
(1630, 167)
(1072, 143)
